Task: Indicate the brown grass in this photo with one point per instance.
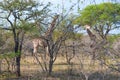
(80, 68)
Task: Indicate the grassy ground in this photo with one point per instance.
(79, 70)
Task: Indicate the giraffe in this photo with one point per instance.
(39, 42)
(96, 44)
(95, 41)
(98, 47)
(42, 41)
(91, 35)
(50, 30)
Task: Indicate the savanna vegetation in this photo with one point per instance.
(71, 54)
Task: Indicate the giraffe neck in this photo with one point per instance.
(89, 32)
(51, 28)
(91, 35)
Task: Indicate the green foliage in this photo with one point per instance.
(9, 55)
(72, 35)
(56, 34)
(17, 4)
(1, 38)
(26, 26)
(22, 14)
(113, 38)
(78, 36)
(99, 13)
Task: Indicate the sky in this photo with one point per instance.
(58, 6)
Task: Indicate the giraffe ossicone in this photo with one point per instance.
(87, 26)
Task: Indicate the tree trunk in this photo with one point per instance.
(17, 58)
(18, 65)
(50, 65)
(18, 49)
(0, 66)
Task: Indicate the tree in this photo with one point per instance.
(56, 33)
(55, 44)
(102, 17)
(20, 16)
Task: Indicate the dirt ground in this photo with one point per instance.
(79, 70)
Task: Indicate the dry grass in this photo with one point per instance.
(61, 70)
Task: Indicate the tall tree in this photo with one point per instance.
(21, 15)
(55, 44)
(102, 17)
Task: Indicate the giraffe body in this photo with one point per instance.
(38, 42)
(42, 41)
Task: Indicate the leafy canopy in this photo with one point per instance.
(23, 15)
(99, 13)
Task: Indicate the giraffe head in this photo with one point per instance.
(87, 26)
